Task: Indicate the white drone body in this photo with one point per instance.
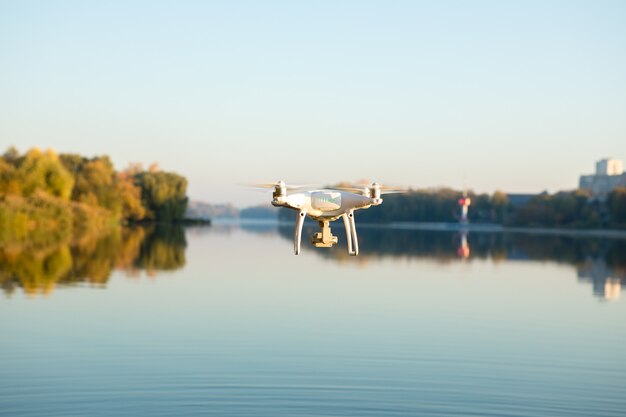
(325, 206)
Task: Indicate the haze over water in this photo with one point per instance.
(229, 322)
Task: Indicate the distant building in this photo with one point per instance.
(609, 167)
(609, 175)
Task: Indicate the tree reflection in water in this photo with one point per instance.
(602, 261)
(38, 268)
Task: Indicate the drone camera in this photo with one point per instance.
(319, 241)
(325, 238)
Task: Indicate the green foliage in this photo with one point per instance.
(129, 195)
(437, 205)
(500, 206)
(45, 193)
(564, 209)
(163, 194)
(616, 205)
(98, 184)
(35, 171)
(9, 182)
(60, 216)
(95, 184)
(574, 209)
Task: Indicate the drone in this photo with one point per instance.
(327, 205)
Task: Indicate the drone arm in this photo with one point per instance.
(297, 233)
(346, 223)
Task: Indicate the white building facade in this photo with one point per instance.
(609, 175)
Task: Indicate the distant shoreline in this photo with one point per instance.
(457, 227)
(496, 228)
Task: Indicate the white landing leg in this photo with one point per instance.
(353, 241)
(297, 232)
(346, 223)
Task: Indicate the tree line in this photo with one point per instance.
(566, 209)
(45, 192)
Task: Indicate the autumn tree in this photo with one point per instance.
(129, 195)
(9, 183)
(42, 171)
(163, 194)
(98, 184)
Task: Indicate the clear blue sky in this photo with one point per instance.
(521, 96)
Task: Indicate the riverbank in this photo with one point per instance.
(496, 228)
(459, 227)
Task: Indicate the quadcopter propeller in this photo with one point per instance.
(394, 190)
(349, 189)
(389, 189)
(383, 189)
(269, 185)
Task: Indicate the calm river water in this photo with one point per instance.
(226, 321)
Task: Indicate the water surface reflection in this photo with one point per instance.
(421, 323)
(90, 259)
(598, 260)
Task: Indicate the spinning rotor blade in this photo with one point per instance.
(384, 189)
(393, 191)
(393, 187)
(270, 185)
(350, 189)
(262, 185)
(300, 186)
(388, 189)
